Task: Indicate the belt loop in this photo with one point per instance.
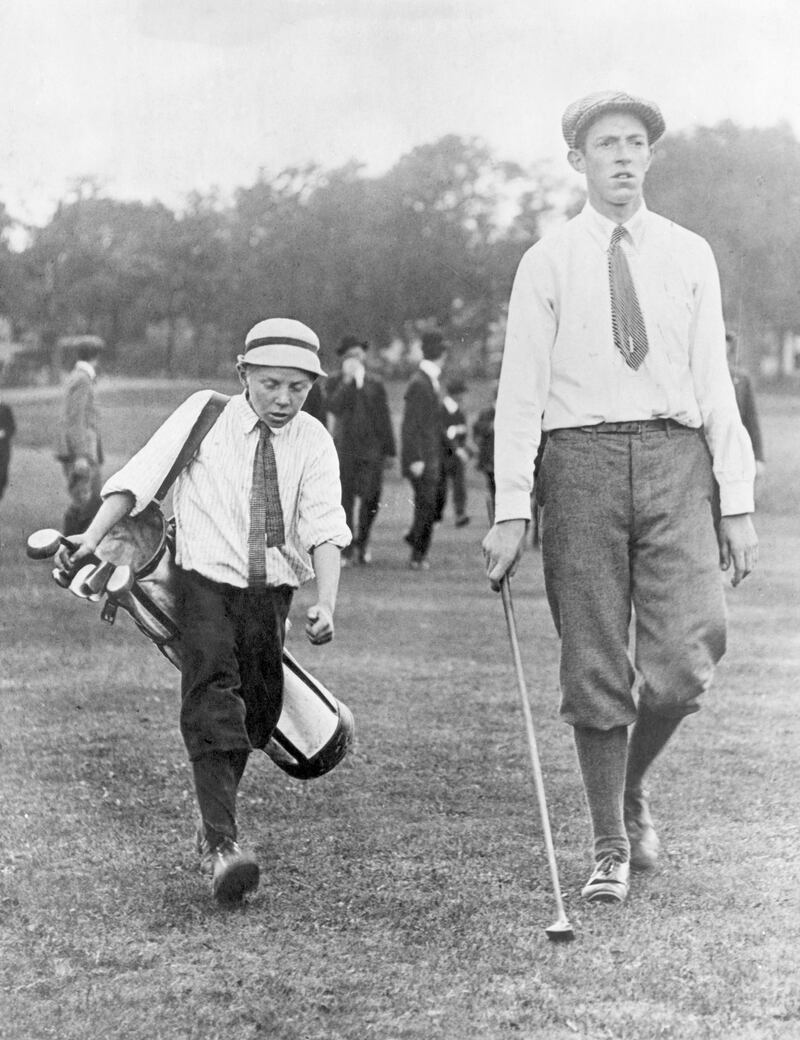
(668, 427)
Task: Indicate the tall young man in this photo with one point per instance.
(615, 347)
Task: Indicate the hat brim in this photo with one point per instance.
(283, 355)
(650, 117)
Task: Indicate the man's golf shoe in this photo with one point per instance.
(609, 881)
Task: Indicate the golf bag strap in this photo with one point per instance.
(212, 410)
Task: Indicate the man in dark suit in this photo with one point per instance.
(7, 430)
(422, 445)
(79, 448)
(364, 439)
(745, 401)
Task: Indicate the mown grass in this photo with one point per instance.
(405, 894)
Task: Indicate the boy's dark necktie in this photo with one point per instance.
(630, 335)
(266, 515)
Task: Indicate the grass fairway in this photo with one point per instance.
(406, 894)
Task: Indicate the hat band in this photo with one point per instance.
(283, 341)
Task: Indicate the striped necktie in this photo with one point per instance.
(266, 515)
(630, 335)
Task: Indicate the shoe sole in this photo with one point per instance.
(236, 882)
(603, 894)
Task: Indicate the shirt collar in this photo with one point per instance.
(248, 419)
(84, 366)
(601, 227)
(431, 369)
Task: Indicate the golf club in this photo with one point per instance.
(561, 929)
(78, 584)
(61, 577)
(98, 579)
(120, 582)
(45, 543)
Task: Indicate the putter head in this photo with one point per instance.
(43, 544)
(561, 931)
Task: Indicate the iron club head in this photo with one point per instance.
(560, 931)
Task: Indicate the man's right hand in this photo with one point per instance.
(503, 547)
(416, 469)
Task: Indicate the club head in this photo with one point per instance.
(78, 584)
(43, 544)
(61, 577)
(99, 578)
(561, 931)
(120, 582)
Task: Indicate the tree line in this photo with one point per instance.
(435, 240)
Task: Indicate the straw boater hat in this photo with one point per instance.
(284, 343)
(581, 114)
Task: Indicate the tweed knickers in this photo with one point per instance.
(627, 522)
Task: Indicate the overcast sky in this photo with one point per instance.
(156, 98)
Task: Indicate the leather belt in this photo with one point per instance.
(636, 426)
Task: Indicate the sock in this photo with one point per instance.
(649, 735)
(602, 755)
(216, 781)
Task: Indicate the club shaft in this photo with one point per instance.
(508, 607)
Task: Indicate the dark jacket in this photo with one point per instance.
(363, 424)
(746, 401)
(421, 435)
(315, 403)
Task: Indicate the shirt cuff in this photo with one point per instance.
(736, 497)
(515, 505)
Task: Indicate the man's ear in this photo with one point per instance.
(576, 160)
(241, 370)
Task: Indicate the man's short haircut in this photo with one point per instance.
(433, 345)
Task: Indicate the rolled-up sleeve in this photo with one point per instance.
(321, 517)
(144, 473)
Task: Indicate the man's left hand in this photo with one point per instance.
(738, 545)
(319, 624)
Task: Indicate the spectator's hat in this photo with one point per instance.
(433, 345)
(348, 342)
(284, 343)
(580, 115)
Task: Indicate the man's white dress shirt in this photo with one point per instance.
(561, 367)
